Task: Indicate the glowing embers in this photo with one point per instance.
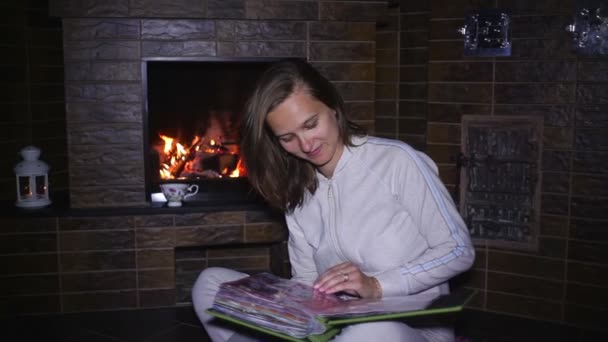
(203, 158)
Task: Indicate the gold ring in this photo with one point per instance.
(345, 277)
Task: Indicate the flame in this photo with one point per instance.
(178, 159)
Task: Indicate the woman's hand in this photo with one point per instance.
(348, 278)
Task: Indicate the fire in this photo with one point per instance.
(203, 158)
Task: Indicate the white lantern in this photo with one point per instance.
(32, 180)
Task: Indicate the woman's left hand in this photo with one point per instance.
(348, 278)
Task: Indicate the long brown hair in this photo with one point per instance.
(281, 178)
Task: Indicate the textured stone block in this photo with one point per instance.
(243, 264)
(386, 126)
(37, 304)
(443, 154)
(103, 92)
(351, 11)
(459, 92)
(153, 221)
(414, 39)
(453, 112)
(96, 301)
(83, 155)
(589, 207)
(93, 50)
(106, 134)
(361, 91)
(412, 91)
(535, 93)
(97, 261)
(528, 306)
(156, 298)
(553, 115)
(108, 175)
(443, 133)
(386, 108)
(103, 113)
(92, 29)
(155, 258)
(270, 49)
(191, 48)
(259, 216)
(589, 93)
(167, 8)
(89, 8)
(556, 182)
(269, 30)
(556, 160)
(178, 29)
(455, 8)
(29, 225)
(95, 223)
(228, 9)
(28, 243)
(587, 273)
(545, 71)
(587, 251)
(539, 26)
(590, 162)
(29, 284)
(412, 126)
(526, 265)
(590, 139)
(346, 71)
(557, 137)
(592, 116)
(554, 226)
(412, 73)
(155, 279)
(206, 236)
(103, 71)
(281, 9)
(538, 48)
(342, 51)
(96, 240)
(531, 287)
(387, 74)
(387, 40)
(211, 218)
(155, 237)
(343, 31)
(461, 72)
(28, 264)
(387, 57)
(554, 204)
(103, 196)
(79, 282)
(360, 110)
(446, 29)
(265, 232)
(593, 71)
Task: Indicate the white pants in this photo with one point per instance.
(207, 285)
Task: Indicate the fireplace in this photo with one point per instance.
(192, 120)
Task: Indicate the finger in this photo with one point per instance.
(341, 282)
(331, 273)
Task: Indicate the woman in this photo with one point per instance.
(366, 216)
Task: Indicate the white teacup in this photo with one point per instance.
(175, 193)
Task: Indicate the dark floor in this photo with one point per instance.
(181, 325)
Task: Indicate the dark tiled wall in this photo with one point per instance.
(68, 264)
(566, 280)
(31, 84)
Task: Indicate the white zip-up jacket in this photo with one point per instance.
(386, 211)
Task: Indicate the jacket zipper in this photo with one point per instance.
(333, 229)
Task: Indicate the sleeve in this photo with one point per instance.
(449, 249)
(303, 268)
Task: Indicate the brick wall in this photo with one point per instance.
(566, 280)
(91, 263)
(31, 64)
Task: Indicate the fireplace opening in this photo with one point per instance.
(194, 109)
